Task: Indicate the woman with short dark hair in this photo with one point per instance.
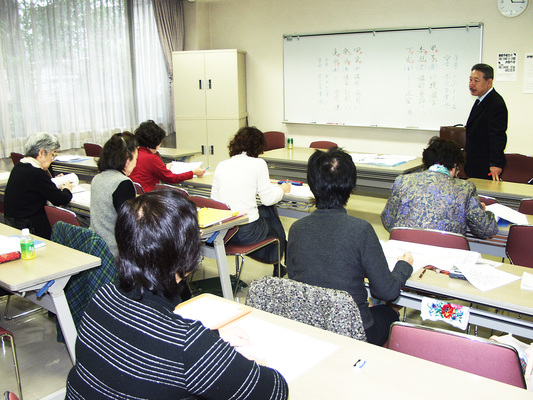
(236, 183)
(112, 187)
(434, 199)
(30, 186)
(150, 169)
(332, 249)
(131, 344)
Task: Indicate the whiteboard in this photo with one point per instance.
(410, 78)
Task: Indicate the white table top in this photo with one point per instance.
(386, 375)
(52, 261)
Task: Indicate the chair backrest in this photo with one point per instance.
(81, 287)
(526, 206)
(275, 140)
(518, 248)
(431, 237)
(322, 144)
(159, 186)
(519, 168)
(138, 188)
(456, 134)
(92, 149)
(457, 350)
(55, 214)
(487, 200)
(329, 309)
(16, 157)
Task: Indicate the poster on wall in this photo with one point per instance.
(528, 73)
(506, 71)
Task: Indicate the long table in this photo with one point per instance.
(215, 250)
(293, 205)
(387, 374)
(87, 168)
(509, 298)
(53, 263)
(507, 193)
(372, 179)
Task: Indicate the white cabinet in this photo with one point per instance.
(209, 101)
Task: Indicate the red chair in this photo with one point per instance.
(322, 144)
(487, 200)
(518, 248)
(478, 356)
(16, 157)
(138, 188)
(237, 250)
(55, 214)
(5, 334)
(431, 237)
(275, 140)
(526, 206)
(519, 169)
(159, 186)
(92, 149)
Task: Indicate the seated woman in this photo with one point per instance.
(150, 168)
(112, 187)
(433, 199)
(131, 344)
(30, 186)
(236, 183)
(332, 249)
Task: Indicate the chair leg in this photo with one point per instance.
(238, 271)
(22, 314)
(15, 361)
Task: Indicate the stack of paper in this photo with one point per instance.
(70, 158)
(503, 212)
(211, 216)
(179, 167)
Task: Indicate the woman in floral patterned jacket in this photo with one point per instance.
(434, 199)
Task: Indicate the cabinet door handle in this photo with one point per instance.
(211, 149)
(200, 86)
(209, 84)
(203, 150)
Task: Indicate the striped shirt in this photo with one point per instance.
(140, 349)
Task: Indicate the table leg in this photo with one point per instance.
(64, 317)
(218, 252)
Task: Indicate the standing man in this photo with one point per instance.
(485, 128)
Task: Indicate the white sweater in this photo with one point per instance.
(238, 180)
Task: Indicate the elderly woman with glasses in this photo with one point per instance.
(30, 186)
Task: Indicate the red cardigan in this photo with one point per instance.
(150, 170)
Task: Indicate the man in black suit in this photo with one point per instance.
(485, 128)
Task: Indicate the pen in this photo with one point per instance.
(422, 274)
(357, 362)
(207, 168)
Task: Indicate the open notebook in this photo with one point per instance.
(212, 313)
(212, 216)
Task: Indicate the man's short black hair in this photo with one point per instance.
(331, 176)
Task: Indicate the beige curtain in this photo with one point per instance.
(169, 20)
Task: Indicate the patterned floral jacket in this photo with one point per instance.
(433, 200)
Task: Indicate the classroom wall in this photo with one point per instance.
(258, 26)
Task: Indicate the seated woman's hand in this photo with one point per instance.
(67, 185)
(408, 257)
(286, 187)
(198, 171)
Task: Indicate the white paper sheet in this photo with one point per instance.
(286, 351)
(83, 198)
(527, 281)
(72, 178)
(301, 191)
(70, 158)
(179, 167)
(507, 213)
(4, 176)
(440, 257)
(485, 278)
(388, 160)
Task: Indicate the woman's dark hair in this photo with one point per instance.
(331, 176)
(249, 140)
(149, 134)
(443, 152)
(157, 237)
(117, 151)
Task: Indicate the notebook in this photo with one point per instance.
(212, 216)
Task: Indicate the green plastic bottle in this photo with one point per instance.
(27, 247)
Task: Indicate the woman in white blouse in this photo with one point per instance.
(236, 183)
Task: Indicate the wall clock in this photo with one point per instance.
(512, 8)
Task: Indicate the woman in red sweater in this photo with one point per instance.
(150, 168)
